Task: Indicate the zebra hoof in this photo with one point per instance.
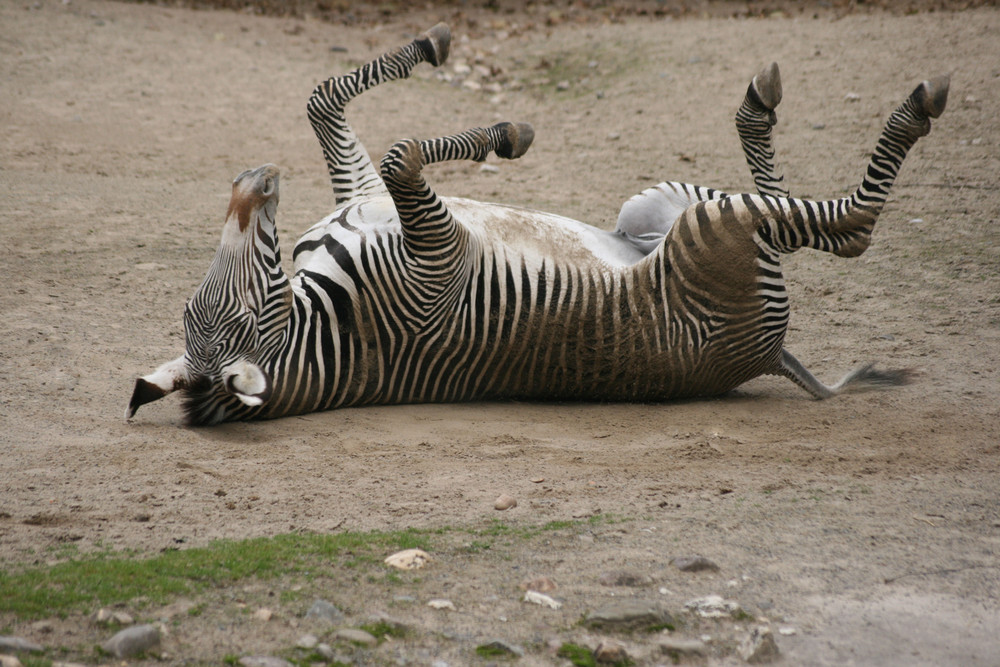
(931, 96)
(517, 138)
(435, 44)
(767, 85)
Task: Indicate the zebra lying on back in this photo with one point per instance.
(400, 296)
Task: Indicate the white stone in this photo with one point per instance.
(440, 603)
(542, 599)
(504, 502)
(712, 606)
(408, 559)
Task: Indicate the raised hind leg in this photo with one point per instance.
(351, 170)
(754, 120)
(435, 242)
(844, 227)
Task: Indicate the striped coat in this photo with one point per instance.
(401, 296)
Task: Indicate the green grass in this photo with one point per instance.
(581, 656)
(104, 579)
(85, 582)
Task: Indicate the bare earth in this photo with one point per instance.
(869, 524)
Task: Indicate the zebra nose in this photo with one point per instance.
(251, 190)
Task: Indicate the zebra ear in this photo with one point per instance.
(169, 377)
(248, 382)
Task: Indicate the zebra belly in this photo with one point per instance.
(542, 310)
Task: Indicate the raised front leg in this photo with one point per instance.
(351, 170)
(435, 242)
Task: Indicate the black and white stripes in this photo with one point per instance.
(403, 296)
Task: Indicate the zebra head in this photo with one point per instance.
(235, 319)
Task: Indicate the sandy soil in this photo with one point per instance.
(124, 124)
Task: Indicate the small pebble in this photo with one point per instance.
(852, 97)
(439, 603)
(489, 169)
(263, 614)
(356, 636)
(19, 644)
(694, 564)
(504, 502)
(323, 610)
(408, 559)
(307, 642)
(679, 646)
(132, 641)
(713, 606)
(609, 651)
(542, 599)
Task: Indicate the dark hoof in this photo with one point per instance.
(931, 96)
(435, 44)
(517, 139)
(767, 85)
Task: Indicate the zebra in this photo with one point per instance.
(402, 296)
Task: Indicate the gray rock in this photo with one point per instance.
(356, 636)
(264, 661)
(694, 564)
(629, 615)
(19, 644)
(307, 642)
(677, 646)
(499, 646)
(133, 641)
(624, 578)
(324, 611)
(10, 661)
(759, 647)
(326, 651)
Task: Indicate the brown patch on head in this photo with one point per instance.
(251, 190)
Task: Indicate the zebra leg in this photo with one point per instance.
(861, 378)
(844, 226)
(431, 236)
(754, 120)
(351, 170)
(647, 217)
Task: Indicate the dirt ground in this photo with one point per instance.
(869, 523)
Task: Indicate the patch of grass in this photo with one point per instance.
(104, 580)
(35, 661)
(491, 652)
(381, 629)
(581, 656)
